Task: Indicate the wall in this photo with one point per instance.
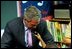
(8, 12)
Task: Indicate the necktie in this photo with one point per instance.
(29, 39)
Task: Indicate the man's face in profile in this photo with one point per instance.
(31, 24)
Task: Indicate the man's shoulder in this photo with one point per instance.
(15, 20)
(42, 22)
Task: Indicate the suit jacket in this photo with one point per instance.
(14, 35)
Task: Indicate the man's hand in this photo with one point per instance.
(41, 40)
(38, 36)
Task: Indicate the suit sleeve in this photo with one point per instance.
(6, 40)
(47, 37)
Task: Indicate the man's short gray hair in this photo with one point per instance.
(32, 13)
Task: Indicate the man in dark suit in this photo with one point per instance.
(17, 31)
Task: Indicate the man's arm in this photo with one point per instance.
(45, 35)
(6, 39)
(48, 38)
